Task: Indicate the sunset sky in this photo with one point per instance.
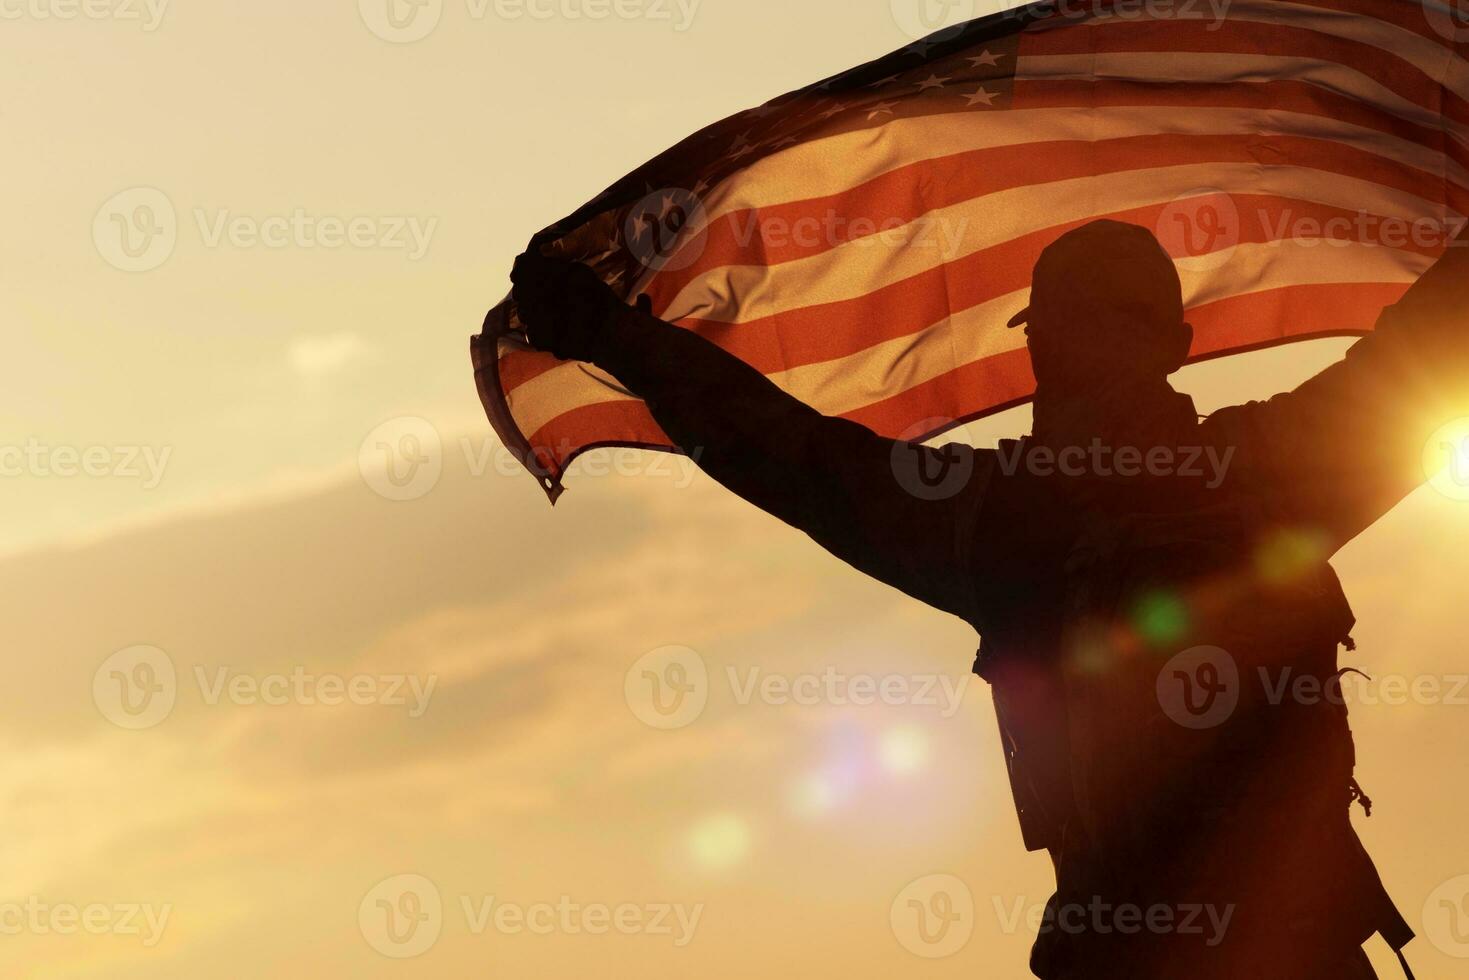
(202, 492)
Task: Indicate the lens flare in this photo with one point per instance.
(903, 750)
(1161, 618)
(719, 841)
(1288, 553)
(1446, 460)
(813, 796)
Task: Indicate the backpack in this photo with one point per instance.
(1200, 746)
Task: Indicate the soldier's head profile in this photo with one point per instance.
(1106, 310)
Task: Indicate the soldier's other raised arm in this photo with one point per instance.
(1347, 445)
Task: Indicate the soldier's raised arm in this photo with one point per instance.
(1349, 444)
(899, 512)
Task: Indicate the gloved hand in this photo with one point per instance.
(565, 307)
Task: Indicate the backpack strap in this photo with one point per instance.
(1393, 928)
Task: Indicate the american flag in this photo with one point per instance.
(863, 241)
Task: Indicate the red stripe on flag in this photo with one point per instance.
(1006, 379)
(1183, 37)
(892, 200)
(1406, 14)
(1222, 327)
(824, 332)
(620, 423)
(519, 366)
(1280, 95)
(812, 334)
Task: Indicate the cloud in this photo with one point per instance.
(528, 768)
(325, 354)
(526, 619)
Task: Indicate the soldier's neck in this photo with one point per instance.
(1138, 415)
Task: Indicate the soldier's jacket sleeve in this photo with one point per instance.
(901, 513)
(1346, 446)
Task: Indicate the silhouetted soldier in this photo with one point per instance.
(1161, 635)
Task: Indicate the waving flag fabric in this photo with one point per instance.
(863, 241)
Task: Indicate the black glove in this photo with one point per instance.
(566, 308)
